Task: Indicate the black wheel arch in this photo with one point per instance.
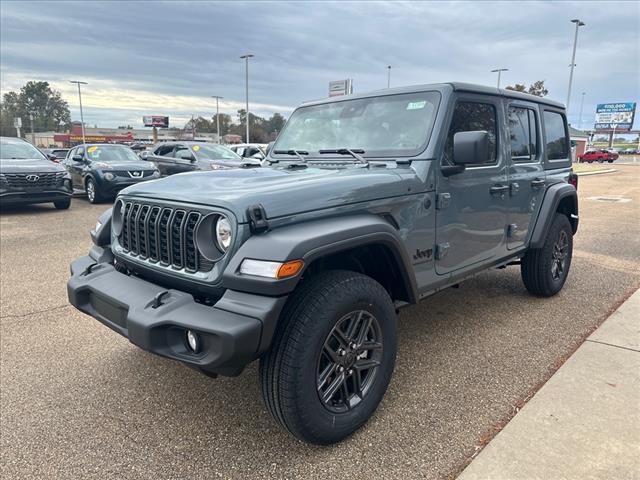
(364, 243)
(559, 198)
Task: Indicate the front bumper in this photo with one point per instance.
(17, 197)
(232, 333)
(110, 188)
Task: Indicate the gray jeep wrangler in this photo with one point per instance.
(372, 202)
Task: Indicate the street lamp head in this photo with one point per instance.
(248, 55)
(78, 82)
(216, 96)
(578, 22)
(500, 70)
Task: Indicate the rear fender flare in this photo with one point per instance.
(553, 197)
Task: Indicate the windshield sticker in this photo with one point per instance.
(416, 105)
(92, 149)
(195, 148)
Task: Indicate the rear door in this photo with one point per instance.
(526, 173)
(471, 206)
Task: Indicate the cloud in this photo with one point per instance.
(170, 57)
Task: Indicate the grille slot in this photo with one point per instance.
(162, 234)
(44, 180)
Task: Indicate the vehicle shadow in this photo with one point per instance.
(35, 209)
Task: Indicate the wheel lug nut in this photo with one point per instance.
(353, 345)
(341, 353)
(341, 369)
(350, 371)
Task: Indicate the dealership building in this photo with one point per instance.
(118, 135)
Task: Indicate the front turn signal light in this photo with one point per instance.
(267, 269)
(289, 269)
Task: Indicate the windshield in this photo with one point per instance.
(214, 152)
(19, 150)
(111, 153)
(392, 125)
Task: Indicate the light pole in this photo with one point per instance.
(78, 82)
(573, 57)
(499, 71)
(217, 116)
(581, 107)
(33, 135)
(388, 76)
(246, 62)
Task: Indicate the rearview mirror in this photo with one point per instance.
(78, 158)
(52, 157)
(144, 155)
(471, 147)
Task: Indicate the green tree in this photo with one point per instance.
(537, 88)
(49, 109)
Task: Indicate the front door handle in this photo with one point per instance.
(537, 183)
(499, 190)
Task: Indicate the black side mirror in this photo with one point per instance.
(52, 157)
(471, 147)
(78, 158)
(144, 155)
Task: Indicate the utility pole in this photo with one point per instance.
(246, 58)
(33, 135)
(573, 57)
(499, 72)
(81, 114)
(388, 76)
(581, 107)
(217, 116)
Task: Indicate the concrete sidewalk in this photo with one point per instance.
(584, 423)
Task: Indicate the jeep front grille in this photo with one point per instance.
(161, 234)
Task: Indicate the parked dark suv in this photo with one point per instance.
(181, 157)
(373, 202)
(102, 170)
(28, 176)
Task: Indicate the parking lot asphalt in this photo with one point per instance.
(79, 401)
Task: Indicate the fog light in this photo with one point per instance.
(192, 341)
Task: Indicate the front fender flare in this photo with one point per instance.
(312, 240)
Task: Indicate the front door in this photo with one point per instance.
(471, 206)
(163, 158)
(76, 168)
(526, 173)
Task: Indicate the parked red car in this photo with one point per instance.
(597, 156)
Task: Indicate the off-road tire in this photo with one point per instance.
(96, 197)
(62, 204)
(289, 370)
(537, 264)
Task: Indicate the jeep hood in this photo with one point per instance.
(281, 191)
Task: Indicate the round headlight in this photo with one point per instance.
(109, 176)
(223, 233)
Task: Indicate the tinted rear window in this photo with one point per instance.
(557, 138)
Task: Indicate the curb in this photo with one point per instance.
(597, 172)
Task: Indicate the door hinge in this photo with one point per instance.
(443, 200)
(441, 250)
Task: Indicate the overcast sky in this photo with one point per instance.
(167, 58)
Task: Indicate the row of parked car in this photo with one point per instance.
(28, 175)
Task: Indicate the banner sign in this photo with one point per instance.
(340, 87)
(156, 121)
(615, 116)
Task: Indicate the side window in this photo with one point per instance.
(79, 151)
(164, 151)
(522, 134)
(557, 138)
(469, 117)
(182, 151)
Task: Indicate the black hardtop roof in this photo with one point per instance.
(456, 86)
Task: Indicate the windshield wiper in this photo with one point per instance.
(354, 152)
(297, 153)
